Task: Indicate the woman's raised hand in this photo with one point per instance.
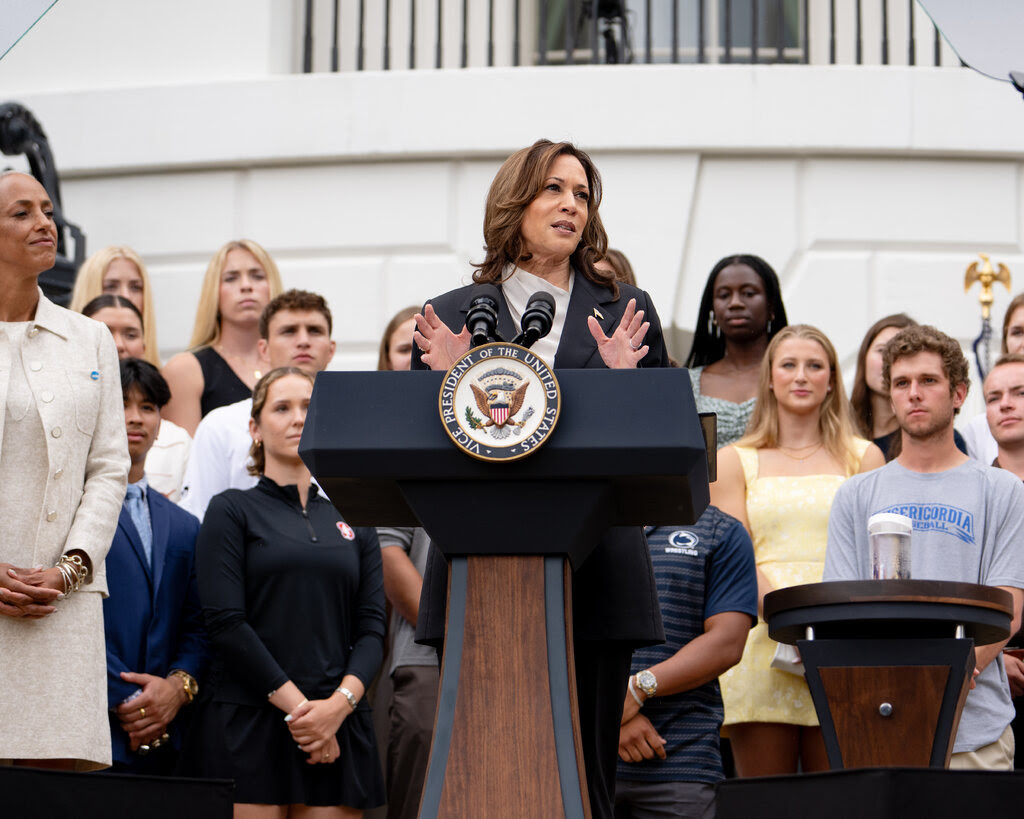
(440, 347)
(624, 348)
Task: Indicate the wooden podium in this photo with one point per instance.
(888, 662)
(628, 450)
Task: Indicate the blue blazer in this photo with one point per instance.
(152, 618)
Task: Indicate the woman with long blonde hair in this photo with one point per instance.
(118, 270)
(223, 362)
(779, 481)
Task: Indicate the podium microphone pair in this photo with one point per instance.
(482, 318)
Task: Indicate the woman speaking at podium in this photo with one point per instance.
(542, 232)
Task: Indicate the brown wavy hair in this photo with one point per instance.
(518, 182)
(301, 301)
(926, 339)
(619, 263)
(259, 401)
(834, 420)
(860, 395)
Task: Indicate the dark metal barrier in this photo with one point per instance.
(355, 35)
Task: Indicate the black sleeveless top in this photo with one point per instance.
(220, 384)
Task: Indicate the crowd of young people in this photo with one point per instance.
(244, 619)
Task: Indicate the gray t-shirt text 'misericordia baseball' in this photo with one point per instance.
(968, 527)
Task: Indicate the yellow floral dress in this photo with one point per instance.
(788, 519)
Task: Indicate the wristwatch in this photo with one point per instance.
(188, 682)
(647, 682)
(348, 695)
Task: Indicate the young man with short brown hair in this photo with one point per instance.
(968, 520)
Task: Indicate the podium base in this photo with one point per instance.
(505, 744)
(893, 702)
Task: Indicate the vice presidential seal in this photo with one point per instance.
(499, 402)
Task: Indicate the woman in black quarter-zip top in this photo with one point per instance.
(294, 604)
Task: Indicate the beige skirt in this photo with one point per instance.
(53, 689)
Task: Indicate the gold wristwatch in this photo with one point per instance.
(647, 682)
(188, 682)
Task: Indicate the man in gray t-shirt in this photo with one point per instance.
(968, 519)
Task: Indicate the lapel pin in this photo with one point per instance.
(598, 314)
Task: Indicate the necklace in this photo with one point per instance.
(788, 452)
(238, 363)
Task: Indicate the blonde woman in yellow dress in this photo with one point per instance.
(779, 481)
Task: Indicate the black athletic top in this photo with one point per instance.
(288, 594)
(221, 386)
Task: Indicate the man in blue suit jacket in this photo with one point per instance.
(156, 644)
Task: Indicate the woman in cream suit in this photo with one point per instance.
(63, 468)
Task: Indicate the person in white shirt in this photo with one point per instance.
(295, 331)
(981, 444)
(1004, 408)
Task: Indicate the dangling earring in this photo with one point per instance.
(713, 328)
(768, 328)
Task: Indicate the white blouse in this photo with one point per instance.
(518, 286)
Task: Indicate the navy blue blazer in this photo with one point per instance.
(614, 593)
(152, 618)
(576, 347)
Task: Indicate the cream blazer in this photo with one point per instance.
(72, 370)
(70, 363)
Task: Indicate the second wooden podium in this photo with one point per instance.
(888, 662)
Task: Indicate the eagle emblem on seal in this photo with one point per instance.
(499, 405)
(499, 397)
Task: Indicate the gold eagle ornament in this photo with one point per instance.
(987, 276)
